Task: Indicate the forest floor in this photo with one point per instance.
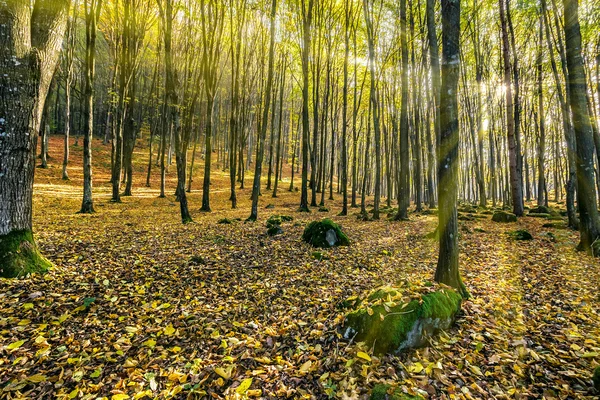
(140, 305)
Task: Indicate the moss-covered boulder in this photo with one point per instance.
(225, 221)
(542, 210)
(19, 255)
(323, 209)
(539, 215)
(388, 392)
(325, 234)
(503, 216)
(520, 234)
(394, 319)
(555, 225)
(274, 224)
(596, 378)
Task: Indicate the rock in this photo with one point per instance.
(542, 210)
(539, 215)
(503, 216)
(274, 224)
(325, 234)
(394, 319)
(323, 209)
(520, 234)
(596, 378)
(555, 225)
(226, 221)
(388, 392)
(465, 217)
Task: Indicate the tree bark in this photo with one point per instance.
(447, 271)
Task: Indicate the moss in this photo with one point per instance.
(323, 209)
(316, 234)
(225, 221)
(390, 327)
(19, 255)
(542, 210)
(503, 216)
(387, 392)
(596, 378)
(538, 215)
(555, 225)
(520, 234)
(274, 230)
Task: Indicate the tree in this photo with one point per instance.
(447, 271)
(516, 182)
(404, 173)
(32, 35)
(306, 10)
(92, 13)
(265, 118)
(589, 225)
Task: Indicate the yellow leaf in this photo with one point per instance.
(416, 368)
(244, 386)
(475, 369)
(74, 394)
(24, 322)
(169, 330)
(28, 306)
(225, 373)
(254, 393)
(363, 355)
(37, 378)
(120, 396)
(575, 347)
(306, 366)
(150, 343)
(15, 345)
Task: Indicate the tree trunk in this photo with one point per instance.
(447, 271)
(589, 226)
(30, 45)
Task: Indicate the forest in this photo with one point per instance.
(316, 199)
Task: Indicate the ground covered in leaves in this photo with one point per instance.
(141, 306)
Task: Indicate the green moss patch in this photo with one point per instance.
(389, 392)
(596, 378)
(520, 234)
(325, 234)
(503, 216)
(542, 210)
(555, 225)
(19, 255)
(538, 215)
(394, 319)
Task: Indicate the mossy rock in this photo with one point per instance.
(465, 217)
(480, 230)
(19, 255)
(542, 210)
(504, 217)
(487, 212)
(596, 248)
(225, 221)
(325, 234)
(274, 230)
(555, 225)
(520, 234)
(270, 206)
(323, 209)
(274, 220)
(596, 378)
(539, 215)
(469, 209)
(388, 392)
(555, 218)
(393, 319)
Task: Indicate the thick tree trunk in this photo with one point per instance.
(447, 271)
(30, 43)
(404, 173)
(589, 226)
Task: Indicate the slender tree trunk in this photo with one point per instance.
(91, 18)
(307, 10)
(516, 183)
